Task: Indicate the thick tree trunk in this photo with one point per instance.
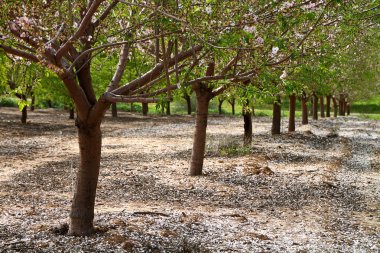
(232, 103)
(114, 110)
(220, 103)
(335, 105)
(292, 113)
(305, 115)
(24, 115)
(315, 107)
(188, 103)
(203, 95)
(247, 115)
(145, 109)
(276, 121)
(168, 108)
(82, 209)
(328, 106)
(322, 106)
(348, 109)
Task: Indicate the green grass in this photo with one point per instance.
(368, 116)
(234, 149)
(369, 106)
(8, 102)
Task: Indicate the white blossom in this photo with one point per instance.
(275, 51)
(283, 75)
(208, 10)
(260, 41)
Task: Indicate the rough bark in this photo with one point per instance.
(328, 106)
(335, 105)
(315, 107)
(292, 113)
(145, 109)
(247, 116)
(203, 96)
(322, 106)
(276, 121)
(114, 110)
(82, 209)
(305, 115)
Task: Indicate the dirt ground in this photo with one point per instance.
(315, 190)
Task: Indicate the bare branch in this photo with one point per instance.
(86, 21)
(120, 68)
(20, 53)
(113, 98)
(155, 72)
(106, 12)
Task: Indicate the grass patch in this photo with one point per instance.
(228, 146)
(8, 102)
(234, 149)
(369, 116)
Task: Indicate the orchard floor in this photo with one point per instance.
(315, 190)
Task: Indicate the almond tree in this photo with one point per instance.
(63, 36)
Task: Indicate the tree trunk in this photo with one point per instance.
(188, 103)
(276, 122)
(247, 115)
(24, 115)
(145, 109)
(292, 113)
(348, 109)
(322, 106)
(220, 106)
(344, 107)
(71, 111)
(50, 105)
(168, 108)
(203, 95)
(232, 103)
(315, 107)
(335, 105)
(328, 106)
(82, 208)
(114, 110)
(341, 104)
(32, 105)
(132, 107)
(305, 115)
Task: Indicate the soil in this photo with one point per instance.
(314, 190)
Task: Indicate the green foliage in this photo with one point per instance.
(8, 102)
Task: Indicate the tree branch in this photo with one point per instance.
(20, 53)
(113, 98)
(86, 21)
(155, 72)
